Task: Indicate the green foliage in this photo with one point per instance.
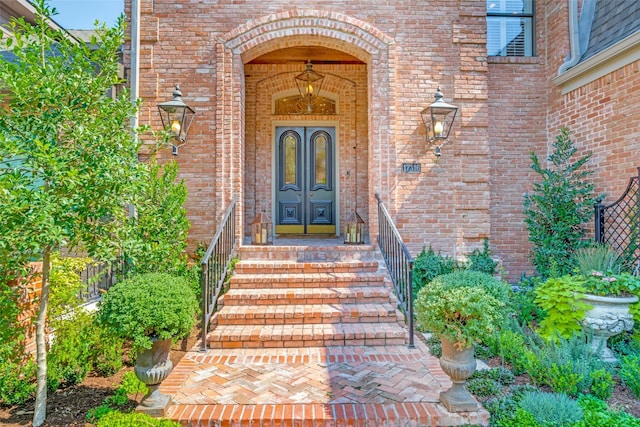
(559, 298)
(559, 206)
(435, 346)
(65, 284)
(462, 307)
(555, 409)
(68, 159)
(17, 374)
(119, 419)
(428, 265)
(81, 346)
(602, 384)
(568, 366)
(501, 375)
(482, 260)
(151, 305)
(597, 414)
(607, 284)
(598, 258)
(155, 238)
(510, 345)
(130, 385)
(483, 387)
(523, 306)
(630, 373)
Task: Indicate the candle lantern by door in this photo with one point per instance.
(354, 230)
(261, 230)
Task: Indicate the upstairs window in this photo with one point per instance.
(510, 27)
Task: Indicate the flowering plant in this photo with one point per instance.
(603, 284)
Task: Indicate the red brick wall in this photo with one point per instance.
(508, 107)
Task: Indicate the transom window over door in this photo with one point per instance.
(510, 27)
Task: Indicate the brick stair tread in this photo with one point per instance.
(287, 266)
(307, 313)
(252, 336)
(326, 415)
(328, 295)
(296, 280)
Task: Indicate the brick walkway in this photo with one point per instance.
(310, 336)
(333, 386)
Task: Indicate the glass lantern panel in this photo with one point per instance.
(291, 160)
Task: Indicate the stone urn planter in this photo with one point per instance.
(152, 367)
(459, 365)
(608, 317)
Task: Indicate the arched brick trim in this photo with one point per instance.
(329, 29)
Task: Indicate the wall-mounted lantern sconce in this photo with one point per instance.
(438, 118)
(309, 83)
(176, 118)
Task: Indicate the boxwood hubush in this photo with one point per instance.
(149, 306)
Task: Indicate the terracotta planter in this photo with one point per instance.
(152, 367)
(608, 317)
(459, 365)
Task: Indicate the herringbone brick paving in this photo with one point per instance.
(310, 336)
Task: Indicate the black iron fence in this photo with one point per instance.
(618, 224)
(399, 263)
(214, 266)
(97, 279)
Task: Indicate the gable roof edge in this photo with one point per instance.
(605, 62)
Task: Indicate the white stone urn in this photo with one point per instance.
(459, 365)
(152, 367)
(608, 317)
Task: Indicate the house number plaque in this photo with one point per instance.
(411, 168)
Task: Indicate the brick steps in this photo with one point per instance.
(307, 314)
(299, 280)
(326, 295)
(307, 335)
(290, 267)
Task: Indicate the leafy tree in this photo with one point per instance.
(560, 205)
(155, 238)
(68, 159)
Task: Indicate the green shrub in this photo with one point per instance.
(17, 374)
(630, 373)
(483, 387)
(598, 257)
(505, 411)
(559, 298)
(435, 346)
(69, 360)
(597, 414)
(106, 352)
(555, 409)
(498, 289)
(510, 345)
(130, 385)
(461, 315)
(559, 206)
(152, 305)
(523, 306)
(564, 365)
(501, 375)
(427, 266)
(482, 260)
(119, 419)
(602, 384)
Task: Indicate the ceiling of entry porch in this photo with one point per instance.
(300, 54)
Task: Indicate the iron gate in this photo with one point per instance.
(618, 224)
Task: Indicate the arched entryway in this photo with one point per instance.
(264, 57)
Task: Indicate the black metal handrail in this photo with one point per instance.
(215, 264)
(97, 279)
(399, 263)
(618, 224)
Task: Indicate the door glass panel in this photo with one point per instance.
(321, 160)
(291, 161)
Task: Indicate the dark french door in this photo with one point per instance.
(305, 193)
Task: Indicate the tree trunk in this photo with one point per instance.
(40, 411)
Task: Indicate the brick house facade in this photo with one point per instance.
(382, 62)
